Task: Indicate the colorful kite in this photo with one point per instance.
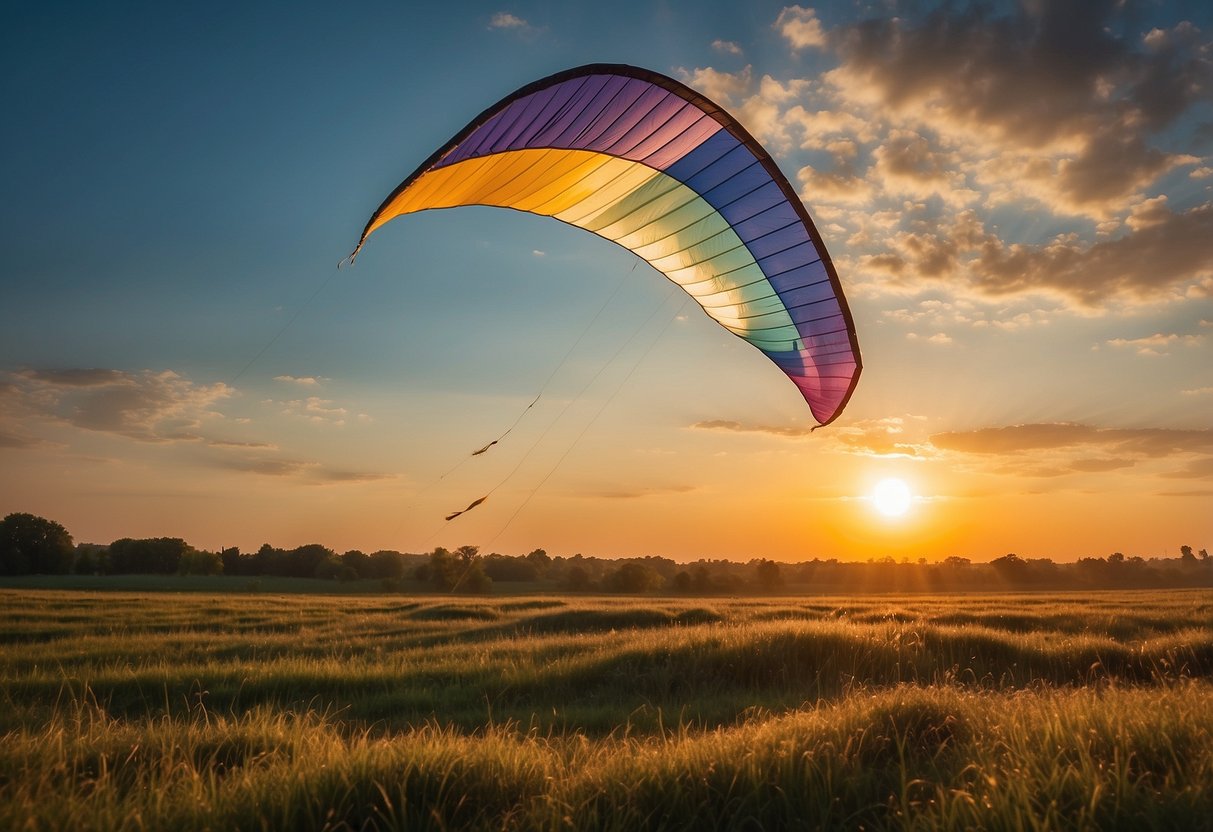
(646, 162)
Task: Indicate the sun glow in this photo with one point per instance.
(892, 497)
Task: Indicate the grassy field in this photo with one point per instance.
(195, 711)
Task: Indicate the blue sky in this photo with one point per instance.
(1017, 201)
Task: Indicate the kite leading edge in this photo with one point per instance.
(646, 162)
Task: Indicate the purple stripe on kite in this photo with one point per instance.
(491, 133)
(571, 136)
(650, 125)
(681, 134)
(557, 106)
(649, 102)
(576, 106)
(615, 109)
(511, 137)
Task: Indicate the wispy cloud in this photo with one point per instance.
(303, 381)
(641, 493)
(1156, 345)
(508, 21)
(321, 411)
(728, 47)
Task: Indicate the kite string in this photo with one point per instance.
(544, 387)
(568, 354)
(284, 327)
(590, 423)
(609, 362)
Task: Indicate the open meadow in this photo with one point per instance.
(145, 710)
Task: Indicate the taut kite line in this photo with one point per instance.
(646, 162)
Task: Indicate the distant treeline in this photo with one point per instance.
(34, 545)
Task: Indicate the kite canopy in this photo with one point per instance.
(645, 161)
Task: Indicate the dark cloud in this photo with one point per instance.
(738, 427)
(1161, 252)
(19, 441)
(1054, 77)
(146, 406)
(225, 443)
(267, 466)
(334, 476)
(1152, 258)
(1013, 439)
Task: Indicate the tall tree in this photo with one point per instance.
(34, 545)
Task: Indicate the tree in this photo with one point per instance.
(86, 564)
(34, 545)
(194, 562)
(540, 559)
(577, 579)
(1185, 555)
(634, 577)
(152, 555)
(357, 562)
(461, 571)
(767, 575)
(681, 582)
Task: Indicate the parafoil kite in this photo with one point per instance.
(643, 160)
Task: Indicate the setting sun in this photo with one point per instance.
(892, 497)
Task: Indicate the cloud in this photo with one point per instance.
(305, 381)
(721, 87)
(305, 472)
(19, 441)
(76, 377)
(1154, 345)
(759, 106)
(1047, 92)
(728, 47)
(800, 27)
(319, 411)
(1195, 469)
(1197, 391)
(738, 427)
(941, 339)
(641, 493)
(1151, 262)
(146, 406)
(509, 22)
(505, 20)
(1034, 437)
(874, 437)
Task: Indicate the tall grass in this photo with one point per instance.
(902, 758)
(133, 711)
